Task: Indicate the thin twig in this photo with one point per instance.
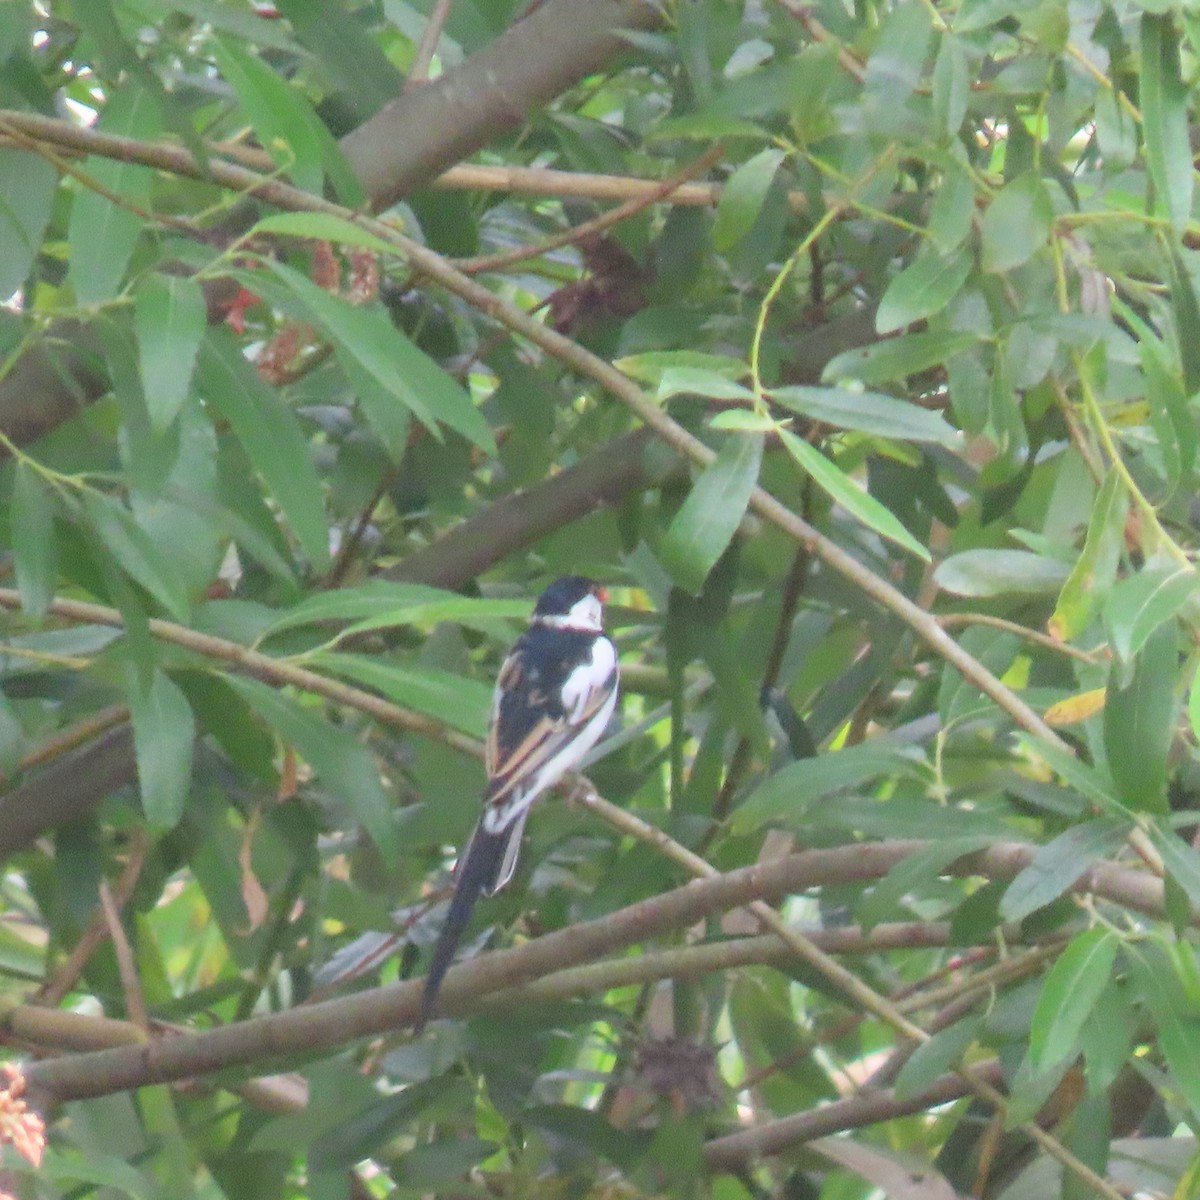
(64, 979)
(135, 1001)
(427, 47)
(576, 234)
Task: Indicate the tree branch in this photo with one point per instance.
(311, 1029)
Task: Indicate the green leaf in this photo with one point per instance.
(999, 572)
(699, 381)
(897, 358)
(365, 337)
(934, 1058)
(1181, 861)
(859, 503)
(743, 420)
(705, 524)
(953, 208)
(101, 1171)
(1178, 1026)
(35, 554)
(951, 85)
(1090, 781)
(364, 75)
(1059, 863)
(923, 288)
(378, 604)
(791, 791)
(1139, 722)
(1163, 98)
(742, 198)
(100, 234)
(1137, 606)
(344, 766)
(1095, 569)
(1016, 224)
(1069, 994)
(898, 59)
(462, 704)
(27, 183)
(170, 317)
(869, 412)
(135, 552)
(164, 732)
(914, 875)
(325, 227)
(648, 368)
(1169, 412)
(279, 114)
(270, 436)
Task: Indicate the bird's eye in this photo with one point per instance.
(601, 594)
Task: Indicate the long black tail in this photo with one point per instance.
(476, 872)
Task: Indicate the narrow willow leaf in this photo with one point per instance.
(377, 604)
(278, 113)
(998, 572)
(744, 420)
(34, 548)
(850, 496)
(27, 184)
(169, 317)
(1178, 1025)
(869, 412)
(790, 791)
(1016, 224)
(365, 335)
(1056, 865)
(701, 381)
(898, 357)
(951, 85)
(898, 59)
(953, 208)
(101, 235)
(648, 368)
(923, 288)
(1096, 567)
(1137, 606)
(914, 876)
(270, 436)
(1069, 994)
(1093, 782)
(131, 548)
(1181, 861)
(1163, 97)
(462, 704)
(705, 524)
(345, 767)
(1139, 722)
(164, 731)
(325, 227)
(932, 1059)
(742, 198)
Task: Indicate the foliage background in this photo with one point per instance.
(892, 479)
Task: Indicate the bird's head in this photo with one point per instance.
(572, 602)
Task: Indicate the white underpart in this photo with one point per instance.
(580, 685)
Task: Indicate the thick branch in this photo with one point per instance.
(312, 1029)
(418, 135)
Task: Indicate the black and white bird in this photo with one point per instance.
(555, 694)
